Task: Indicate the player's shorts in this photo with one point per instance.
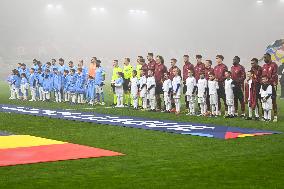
(113, 88)
(267, 105)
(230, 102)
(126, 86)
(201, 100)
(159, 89)
(99, 89)
(274, 93)
(190, 99)
(213, 99)
(167, 98)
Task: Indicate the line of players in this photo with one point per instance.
(75, 84)
(145, 85)
(200, 83)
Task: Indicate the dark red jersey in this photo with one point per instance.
(171, 72)
(251, 93)
(152, 65)
(144, 68)
(219, 72)
(198, 69)
(270, 70)
(238, 74)
(208, 71)
(257, 73)
(160, 69)
(187, 66)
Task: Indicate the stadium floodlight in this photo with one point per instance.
(102, 9)
(281, 1)
(94, 8)
(50, 6)
(259, 2)
(58, 6)
(137, 11)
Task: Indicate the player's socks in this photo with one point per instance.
(114, 99)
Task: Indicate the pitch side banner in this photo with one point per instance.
(185, 128)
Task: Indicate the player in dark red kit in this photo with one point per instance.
(239, 76)
(187, 66)
(160, 69)
(256, 71)
(269, 69)
(151, 62)
(173, 66)
(219, 72)
(199, 67)
(208, 68)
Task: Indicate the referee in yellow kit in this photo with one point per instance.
(127, 72)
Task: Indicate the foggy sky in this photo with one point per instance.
(172, 28)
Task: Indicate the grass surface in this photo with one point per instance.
(153, 159)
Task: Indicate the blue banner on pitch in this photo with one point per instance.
(185, 128)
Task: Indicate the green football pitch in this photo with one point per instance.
(153, 159)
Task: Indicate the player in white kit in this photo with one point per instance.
(151, 87)
(143, 89)
(176, 89)
(167, 88)
(202, 85)
(134, 82)
(213, 95)
(118, 83)
(266, 93)
(190, 92)
(229, 92)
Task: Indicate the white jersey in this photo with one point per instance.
(249, 88)
(143, 86)
(119, 86)
(229, 86)
(266, 104)
(213, 87)
(167, 85)
(190, 84)
(201, 86)
(151, 81)
(134, 86)
(177, 82)
(264, 93)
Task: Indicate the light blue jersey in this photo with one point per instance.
(61, 69)
(26, 71)
(47, 82)
(16, 81)
(90, 90)
(71, 84)
(80, 84)
(99, 78)
(57, 82)
(32, 80)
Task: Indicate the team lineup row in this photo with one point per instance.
(201, 84)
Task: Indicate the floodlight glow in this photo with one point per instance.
(102, 9)
(138, 11)
(94, 8)
(131, 11)
(282, 1)
(144, 12)
(260, 2)
(58, 6)
(50, 6)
